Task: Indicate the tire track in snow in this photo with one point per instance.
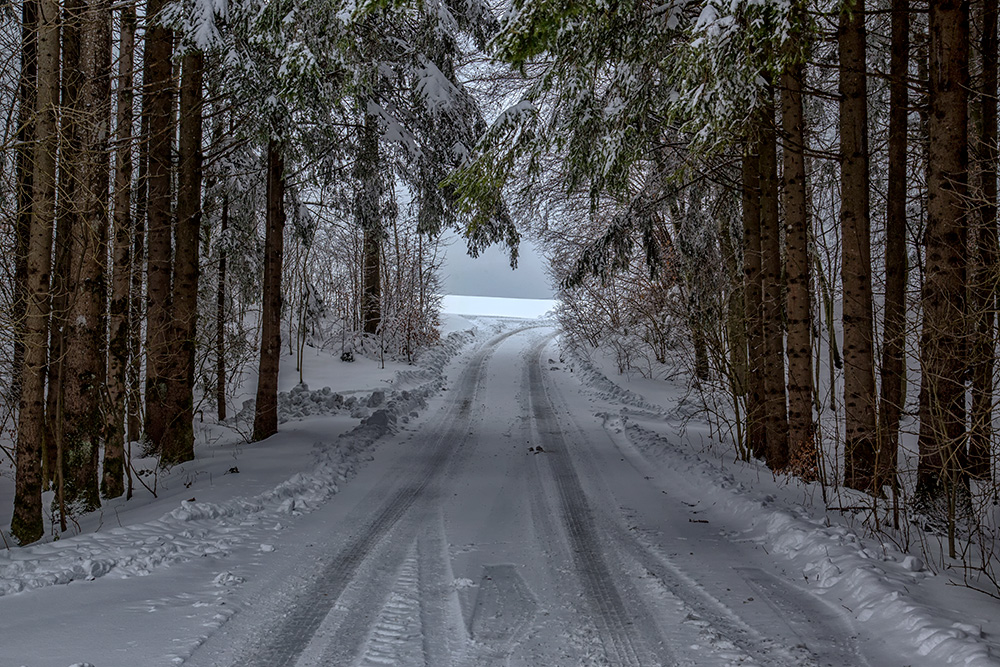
(624, 631)
(812, 619)
(445, 639)
(289, 638)
(724, 627)
(395, 637)
(822, 630)
(704, 608)
(294, 633)
(353, 622)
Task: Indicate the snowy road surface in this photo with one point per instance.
(525, 537)
(518, 521)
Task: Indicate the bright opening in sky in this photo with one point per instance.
(490, 273)
(486, 285)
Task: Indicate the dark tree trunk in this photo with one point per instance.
(220, 321)
(859, 364)
(894, 324)
(776, 418)
(177, 443)
(369, 219)
(83, 375)
(944, 334)
(113, 479)
(158, 102)
(67, 219)
(137, 298)
(753, 298)
(265, 421)
(26, 523)
(984, 281)
(371, 301)
(802, 448)
(24, 177)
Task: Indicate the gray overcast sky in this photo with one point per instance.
(490, 274)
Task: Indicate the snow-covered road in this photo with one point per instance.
(521, 517)
(512, 529)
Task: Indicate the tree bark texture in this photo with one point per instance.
(83, 374)
(860, 454)
(137, 297)
(943, 339)
(158, 101)
(24, 179)
(798, 299)
(265, 421)
(67, 218)
(177, 441)
(220, 321)
(369, 219)
(736, 337)
(894, 317)
(26, 522)
(985, 278)
(112, 480)
(753, 298)
(775, 397)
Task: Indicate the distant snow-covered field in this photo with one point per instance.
(458, 304)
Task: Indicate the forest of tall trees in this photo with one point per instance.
(186, 186)
(798, 200)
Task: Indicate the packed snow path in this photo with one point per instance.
(497, 506)
(525, 537)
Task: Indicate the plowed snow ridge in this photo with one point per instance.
(871, 580)
(197, 529)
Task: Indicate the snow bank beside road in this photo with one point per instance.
(592, 376)
(890, 593)
(203, 529)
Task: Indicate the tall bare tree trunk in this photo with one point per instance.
(67, 219)
(177, 443)
(859, 361)
(802, 448)
(83, 375)
(26, 523)
(985, 279)
(265, 421)
(944, 335)
(24, 177)
(753, 297)
(220, 320)
(371, 300)
(776, 419)
(112, 481)
(894, 318)
(369, 219)
(137, 298)
(158, 102)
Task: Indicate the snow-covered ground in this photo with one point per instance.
(496, 306)
(500, 502)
